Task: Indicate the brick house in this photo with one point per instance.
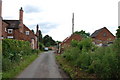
(16, 29)
(102, 37)
(68, 40)
(66, 43)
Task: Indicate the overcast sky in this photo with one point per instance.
(55, 16)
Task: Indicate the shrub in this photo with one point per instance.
(83, 61)
(6, 65)
(14, 51)
(85, 44)
(74, 43)
(41, 46)
(71, 54)
(103, 61)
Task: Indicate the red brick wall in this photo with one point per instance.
(72, 37)
(21, 36)
(31, 35)
(4, 33)
(104, 39)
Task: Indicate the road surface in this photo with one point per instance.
(43, 67)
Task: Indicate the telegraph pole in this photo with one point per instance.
(72, 23)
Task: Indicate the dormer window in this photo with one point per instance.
(27, 33)
(10, 31)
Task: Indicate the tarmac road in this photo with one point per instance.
(43, 67)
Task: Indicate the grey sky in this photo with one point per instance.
(31, 9)
(55, 16)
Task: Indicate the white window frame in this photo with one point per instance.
(105, 34)
(10, 30)
(27, 32)
(10, 37)
(5, 29)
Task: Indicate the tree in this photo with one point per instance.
(82, 33)
(40, 36)
(118, 32)
(32, 30)
(48, 41)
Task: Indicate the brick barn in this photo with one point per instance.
(66, 43)
(102, 37)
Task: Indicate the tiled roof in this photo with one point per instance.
(97, 32)
(72, 37)
(12, 23)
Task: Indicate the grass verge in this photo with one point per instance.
(73, 71)
(12, 73)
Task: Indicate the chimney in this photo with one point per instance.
(37, 33)
(21, 15)
(37, 28)
(21, 20)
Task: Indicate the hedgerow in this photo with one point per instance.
(13, 51)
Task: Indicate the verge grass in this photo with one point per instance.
(12, 73)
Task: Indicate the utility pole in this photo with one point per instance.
(0, 19)
(72, 23)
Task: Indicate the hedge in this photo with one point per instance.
(14, 52)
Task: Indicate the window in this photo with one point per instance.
(104, 34)
(10, 37)
(10, 31)
(5, 29)
(27, 32)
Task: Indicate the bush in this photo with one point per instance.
(6, 65)
(85, 44)
(83, 61)
(74, 43)
(71, 54)
(13, 52)
(41, 46)
(103, 61)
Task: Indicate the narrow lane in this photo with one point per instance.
(43, 67)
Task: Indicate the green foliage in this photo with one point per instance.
(7, 65)
(15, 47)
(48, 41)
(83, 61)
(86, 44)
(118, 32)
(70, 54)
(82, 33)
(13, 69)
(74, 43)
(40, 36)
(33, 31)
(41, 46)
(103, 61)
(14, 51)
